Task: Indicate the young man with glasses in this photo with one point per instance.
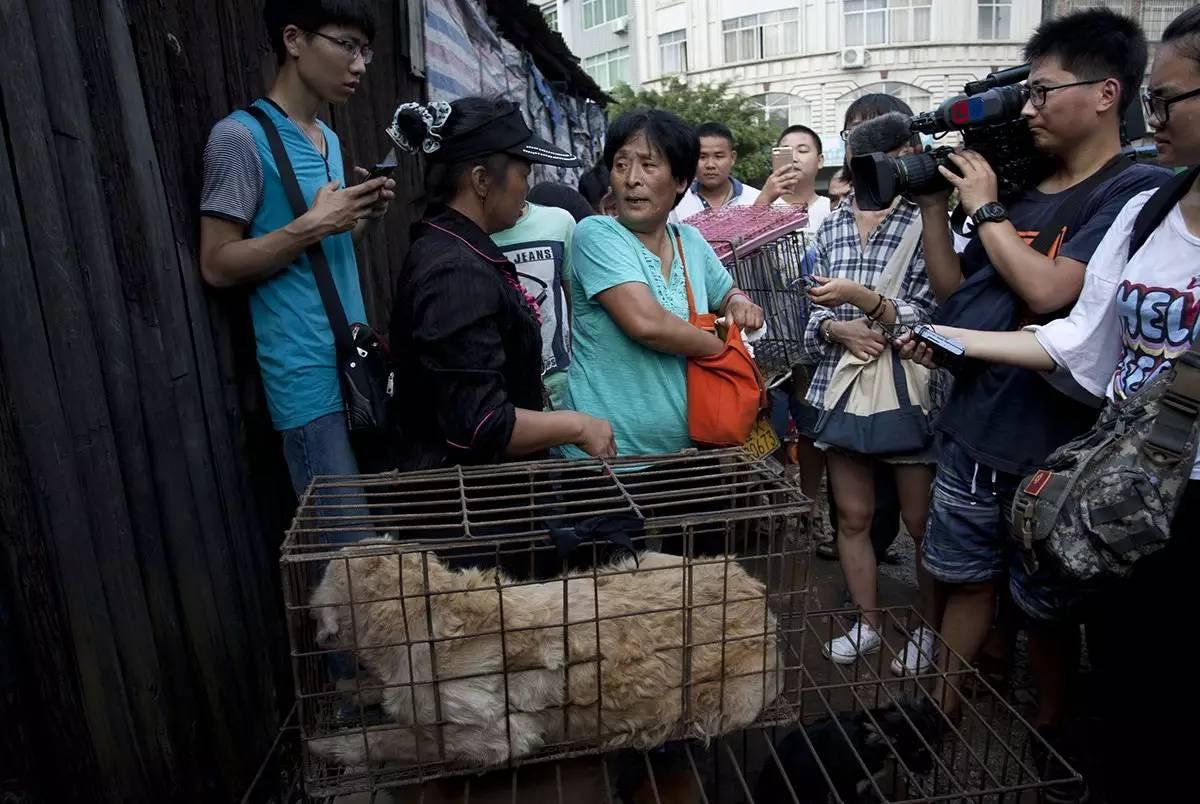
(1000, 421)
(249, 235)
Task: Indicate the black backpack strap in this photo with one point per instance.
(1179, 407)
(1158, 206)
(1066, 212)
(316, 253)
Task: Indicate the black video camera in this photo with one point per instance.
(989, 116)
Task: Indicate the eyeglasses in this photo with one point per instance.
(1159, 107)
(1038, 92)
(353, 49)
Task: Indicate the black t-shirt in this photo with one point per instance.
(1008, 418)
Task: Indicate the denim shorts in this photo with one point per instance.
(968, 537)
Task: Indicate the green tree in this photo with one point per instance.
(753, 136)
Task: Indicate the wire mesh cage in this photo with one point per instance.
(860, 734)
(765, 248)
(445, 621)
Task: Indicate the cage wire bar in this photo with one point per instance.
(859, 735)
(812, 730)
(765, 249)
(490, 644)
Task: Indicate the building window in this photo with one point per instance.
(550, 12)
(781, 110)
(995, 19)
(609, 69)
(887, 22)
(1156, 15)
(598, 12)
(762, 36)
(919, 100)
(672, 51)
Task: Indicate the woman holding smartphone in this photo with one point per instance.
(1134, 319)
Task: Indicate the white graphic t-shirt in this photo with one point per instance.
(1135, 317)
(539, 245)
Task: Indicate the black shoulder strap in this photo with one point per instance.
(1158, 206)
(1067, 210)
(1180, 405)
(316, 254)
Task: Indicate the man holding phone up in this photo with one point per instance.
(797, 156)
(249, 235)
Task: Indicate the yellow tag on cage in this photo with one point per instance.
(762, 441)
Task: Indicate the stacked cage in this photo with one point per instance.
(767, 251)
(447, 621)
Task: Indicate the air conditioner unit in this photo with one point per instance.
(620, 25)
(854, 58)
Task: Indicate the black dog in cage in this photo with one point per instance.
(850, 748)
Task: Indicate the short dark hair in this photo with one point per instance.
(711, 129)
(442, 178)
(309, 15)
(798, 129)
(877, 104)
(562, 196)
(675, 139)
(1094, 43)
(594, 185)
(1183, 33)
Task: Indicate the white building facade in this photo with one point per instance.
(805, 61)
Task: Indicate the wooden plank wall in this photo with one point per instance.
(143, 493)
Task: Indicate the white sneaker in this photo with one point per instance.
(859, 640)
(917, 655)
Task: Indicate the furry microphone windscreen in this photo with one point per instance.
(881, 134)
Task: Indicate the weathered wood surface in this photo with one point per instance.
(143, 493)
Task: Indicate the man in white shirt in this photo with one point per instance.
(797, 183)
(715, 186)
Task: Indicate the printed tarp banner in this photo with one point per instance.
(465, 56)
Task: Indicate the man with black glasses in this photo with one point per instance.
(250, 236)
(1025, 264)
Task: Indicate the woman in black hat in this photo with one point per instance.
(464, 333)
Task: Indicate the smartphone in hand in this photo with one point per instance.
(946, 351)
(384, 168)
(782, 157)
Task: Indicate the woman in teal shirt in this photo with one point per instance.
(631, 330)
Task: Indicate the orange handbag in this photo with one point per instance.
(725, 391)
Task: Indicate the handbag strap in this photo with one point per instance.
(334, 311)
(1066, 212)
(687, 283)
(892, 278)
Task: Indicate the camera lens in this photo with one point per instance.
(879, 178)
(876, 181)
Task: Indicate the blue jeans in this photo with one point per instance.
(320, 448)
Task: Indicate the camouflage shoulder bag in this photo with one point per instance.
(1107, 499)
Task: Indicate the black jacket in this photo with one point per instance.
(467, 347)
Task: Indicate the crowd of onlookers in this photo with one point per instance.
(555, 320)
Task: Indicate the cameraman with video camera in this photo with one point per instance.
(1025, 263)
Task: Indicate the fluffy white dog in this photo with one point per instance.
(437, 640)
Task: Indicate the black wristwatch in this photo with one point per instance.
(991, 212)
